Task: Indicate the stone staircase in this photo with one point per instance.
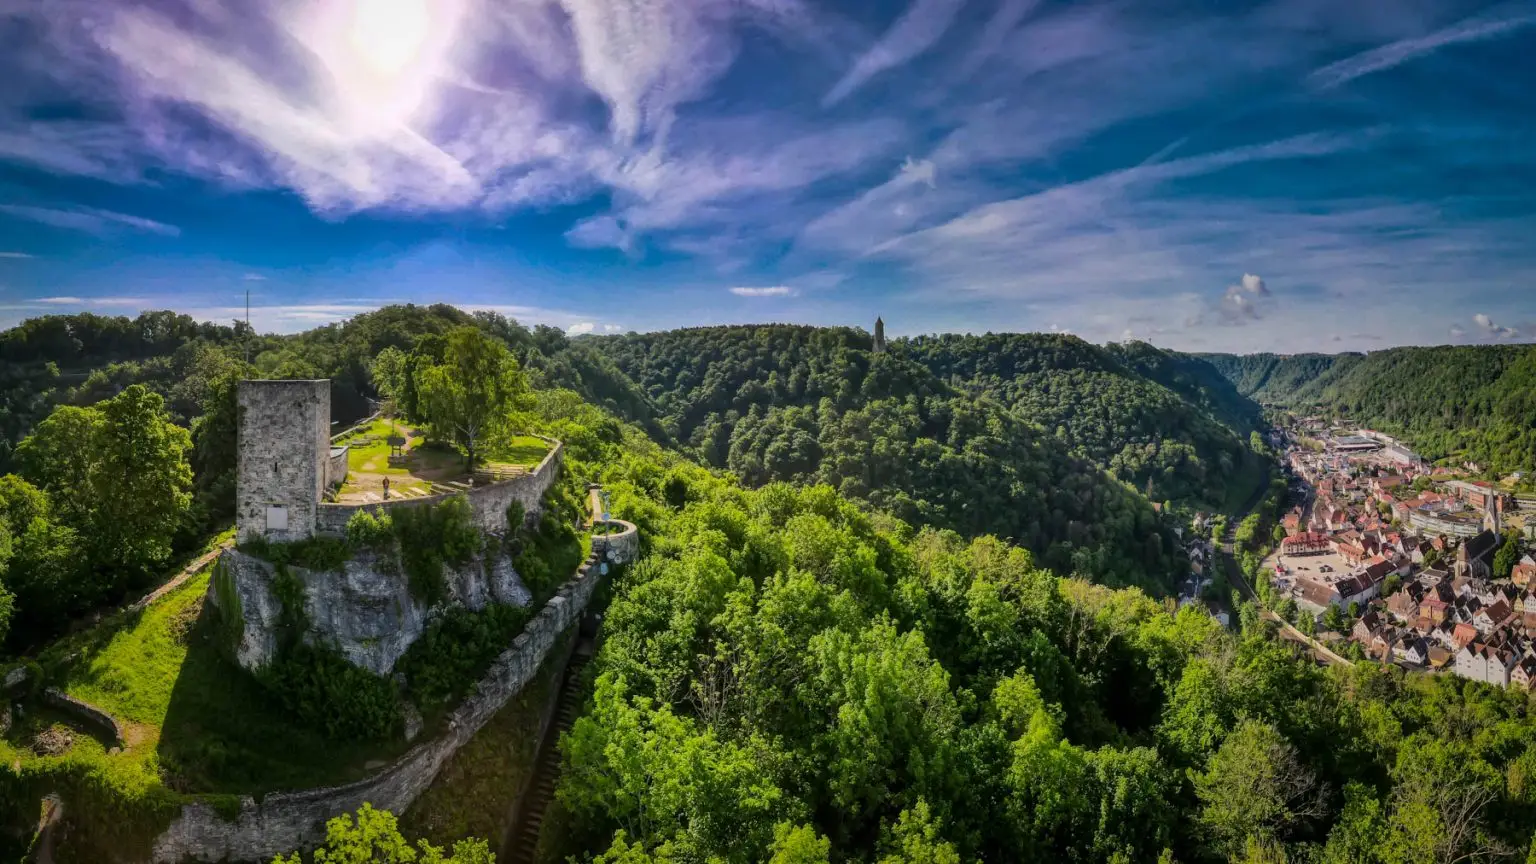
(523, 840)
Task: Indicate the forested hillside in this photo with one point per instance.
(813, 405)
(1168, 424)
(1460, 403)
(785, 679)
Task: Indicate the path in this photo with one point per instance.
(186, 573)
(523, 840)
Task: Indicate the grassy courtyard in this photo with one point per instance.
(424, 463)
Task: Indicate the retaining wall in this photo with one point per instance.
(88, 715)
(489, 502)
(620, 548)
(282, 822)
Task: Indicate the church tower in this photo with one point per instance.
(879, 335)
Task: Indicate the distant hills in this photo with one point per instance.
(1459, 403)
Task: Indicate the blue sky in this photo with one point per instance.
(1288, 175)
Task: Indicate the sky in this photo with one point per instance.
(1292, 175)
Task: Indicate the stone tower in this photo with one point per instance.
(284, 445)
(879, 335)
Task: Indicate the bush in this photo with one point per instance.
(326, 692)
(444, 664)
(367, 531)
(432, 537)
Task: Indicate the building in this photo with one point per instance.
(879, 335)
(1474, 558)
(1481, 662)
(1309, 543)
(285, 461)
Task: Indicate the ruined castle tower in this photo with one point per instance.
(879, 335)
(283, 447)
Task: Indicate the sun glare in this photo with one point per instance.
(384, 56)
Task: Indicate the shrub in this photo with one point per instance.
(314, 553)
(431, 537)
(326, 692)
(456, 649)
(367, 531)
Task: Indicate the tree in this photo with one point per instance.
(1390, 585)
(1508, 556)
(39, 562)
(374, 838)
(1256, 787)
(117, 473)
(468, 394)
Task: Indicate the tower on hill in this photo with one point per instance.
(879, 335)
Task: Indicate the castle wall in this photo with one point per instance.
(620, 548)
(489, 502)
(284, 438)
(336, 467)
(284, 821)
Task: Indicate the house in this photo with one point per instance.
(1352, 554)
(1463, 634)
(1439, 657)
(1413, 650)
(1307, 543)
(1489, 618)
(1365, 625)
(1383, 641)
(1315, 596)
(1356, 588)
(1482, 662)
(1524, 572)
(1523, 673)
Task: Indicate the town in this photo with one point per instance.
(1389, 559)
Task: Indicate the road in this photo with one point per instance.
(1238, 580)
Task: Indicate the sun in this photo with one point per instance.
(385, 57)
(387, 36)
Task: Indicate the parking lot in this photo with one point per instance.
(1307, 565)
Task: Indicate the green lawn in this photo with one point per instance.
(211, 724)
(524, 450)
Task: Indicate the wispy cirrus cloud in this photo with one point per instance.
(1505, 20)
(763, 291)
(923, 24)
(89, 219)
(14, 255)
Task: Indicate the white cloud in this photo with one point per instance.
(922, 25)
(254, 277)
(612, 328)
(580, 327)
(763, 291)
(1497, 332)
(61, 301)
(89, 219)
(1475, 29)
(14, 255)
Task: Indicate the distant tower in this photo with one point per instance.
(283, 450)
(879, 336)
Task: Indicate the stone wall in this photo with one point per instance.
(95, 719)
(282, 822)
(620, 548)
(284, 440)
(336, 467)
(489, 502)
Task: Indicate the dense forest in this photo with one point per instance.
(1166, 423)
(1456, 403)
(814, 405)
(787, 679)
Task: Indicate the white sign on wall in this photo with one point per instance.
(277, 518)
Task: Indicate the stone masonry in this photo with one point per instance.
(284, 453)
